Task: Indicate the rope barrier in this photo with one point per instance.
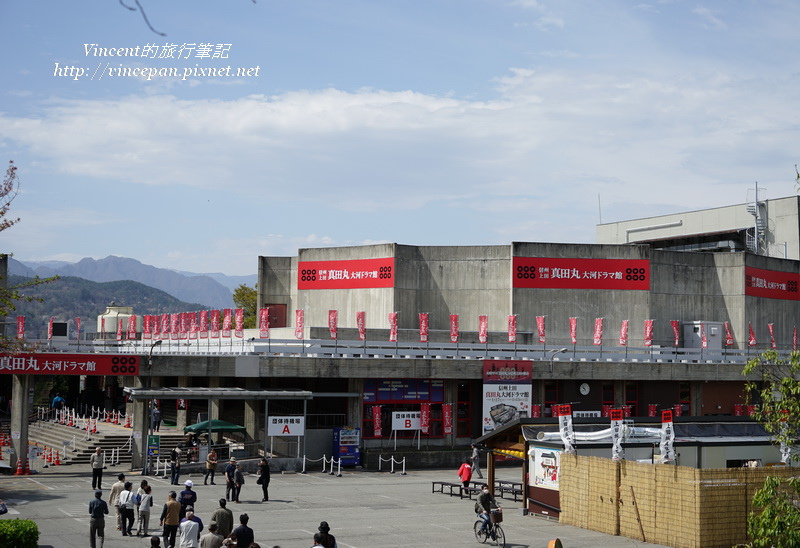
(392, 460)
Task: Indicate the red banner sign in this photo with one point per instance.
(50, 328)
(597, 338)
(147, 326)
(354, 274)
(573, 330)
(559, 273)
(215, 324)
(541, 329)
(616, 414)
(623, 333)
(423, 327)
(447, 418)
(69, 364)
(483, 328)
(333, 323)
(204, 324)
(648, 332)
(771, 284)
(119, 328)
(454, 328)
(512, 328)
(377, 425)
(299, 324)
(666, 415)
(361, 324)
(392, 326)
(676, 331)
(227, 322)
(771, 336)
(728, 335)
(505, 371)
(752, 338)
(78, 328)
(263, 323)
(193, 328)
(424, 417)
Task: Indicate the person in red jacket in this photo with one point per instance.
(465, 473)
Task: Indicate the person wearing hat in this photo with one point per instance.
(223, 518)
(327, 540)
(230, 478)
(187, 497)
(97, 521)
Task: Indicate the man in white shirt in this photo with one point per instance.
(97, 461)
(190, 532)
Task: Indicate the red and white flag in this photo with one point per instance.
(239, 325)
(20, 327)
(623, 333)
(215, 324)
(50, 328)
(483, 328)
(147, 329)
(512, 328)
(361, 324)
(676, 331)
(424, 417)
(752, 339)
(227, 322)
(164, 326)
(392, 326)
(78, 328)
(103, 327)
(597, 338)
(541, 329)
(447, 418)
(263, 323)
(703, 336)
(184, 326)
(299, 324)
(423, 327)
(648, 332)
(377, 427)
(204, 324)
(119, 328)
(333, 323)
(454, 328)
(132, 327)
(728, 335)
(771, 336)
(573, 330)
(193, 328)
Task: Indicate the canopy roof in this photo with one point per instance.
(217, 425)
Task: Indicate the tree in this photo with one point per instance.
(777, 395)
(246, 297)
(11, 294)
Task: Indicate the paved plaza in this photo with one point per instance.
(364, 509)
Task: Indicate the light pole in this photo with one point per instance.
(553, 355)
(150, 404)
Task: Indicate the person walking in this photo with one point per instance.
(170, 519)
(126, 508)
(97, 461)
(156, 418)
(175, 465)
(238, 482)
(211, 539)
(263, 478)
(230, 477)
(187, 497)
(145, 505)
(58, 402)
(244, 534)
(137, 499)
(97, 519)
(223, 518)
(476, 461)
(113, 497)
(190, 532)
(465, 473)
(211, 467)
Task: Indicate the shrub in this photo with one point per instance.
(19, 533)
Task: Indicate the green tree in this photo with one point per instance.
(246, 297)
(12, 294)
(777, 395)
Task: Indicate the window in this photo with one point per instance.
(396, 395)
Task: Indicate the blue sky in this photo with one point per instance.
(426, 123)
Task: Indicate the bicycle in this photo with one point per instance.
(493, 529)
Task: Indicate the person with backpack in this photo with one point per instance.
(58, 402)
(126, 509)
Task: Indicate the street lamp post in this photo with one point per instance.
(149, 405)
(553, 355)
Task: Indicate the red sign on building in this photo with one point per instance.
(69, 364)
(355, 274)
(556, 273)
(771, 284)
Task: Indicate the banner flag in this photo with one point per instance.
(119, 328)
(392, 326)
(377, 427)
(361, 324)
(227, 321)
(103, 327)
(540, 328)
(565, 428)
(215, 324)
(204, 324)
(703, 336)
(164, 326)
(573, 330)
(263, 323)
(616, 434)
(424, 417)
(597, 339)
(728, 335)
(423, 327)
(299, 324)
(447, 418)
(132, 327)
(239, 323)
(623, 333)
(333, 323)
(183, 328)
(174, 326)
(483, 328)
(648, 332)
(512, 328)
(454, 328)
(752, 340)
(667, 437)
(676, 331)
(193, 329)
(147, 326)
(50, 328)
(78, 328)
(771, 336)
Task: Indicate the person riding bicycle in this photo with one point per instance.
(487, 504)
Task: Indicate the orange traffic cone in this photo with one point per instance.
(94, 427)
(57, 462)
(19, 471)
(1, 453)
(27, 471)
(116, 417)
(70, 421)
(127, 421)
(105, 418)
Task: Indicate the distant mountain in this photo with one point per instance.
(199, 288)
(70, 297)
(231, 282)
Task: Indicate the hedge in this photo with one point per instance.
(19, 533)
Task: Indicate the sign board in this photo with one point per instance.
(153, 445)
(47, 363)
(286, 426)
(405, 420)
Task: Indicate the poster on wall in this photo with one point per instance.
(545, 464)
(506, 392)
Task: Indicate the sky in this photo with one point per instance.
(437, 122)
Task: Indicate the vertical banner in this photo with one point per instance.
(20, 327)
(183, 330)
(174, 326)
(573, 330)
(299, 324)
(771, 336)
(361, 324)
(703, 336)
(50, 329)
(119, 328)
(425, 417)
(78, 328)
(597, 338)
(454, 328)
(392, 326)
(512, 328)
(132, 327)
(227, 320)
(676, 332)
(377, 427)
(565, 428)
(447, 418)
(333, 323)
(483, 328)
(728, 335)
(263, 323)
(423, 327)
(616, 434)
(541, 329)
(623, 333)
(193, 327)
(164, 326)
(204, 324)
(239, 323)
(103, 327)
(147, 328)
(215, 324)
(648, 332)
(667, 437)
(752, 339)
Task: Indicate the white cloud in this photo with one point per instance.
(709, 18)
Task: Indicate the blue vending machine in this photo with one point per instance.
(347, 445)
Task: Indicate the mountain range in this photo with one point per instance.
(211, 290)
